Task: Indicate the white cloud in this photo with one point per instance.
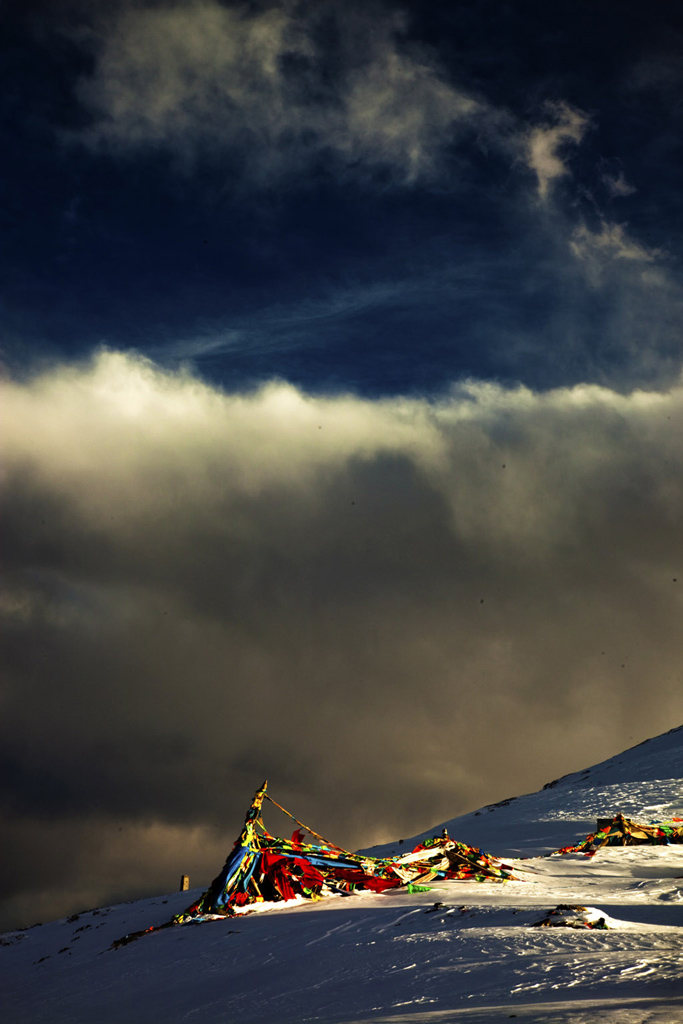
(122, 423)
(400, 111)
(545, 144)
(610, 242)
(255, 85)
(597, 249)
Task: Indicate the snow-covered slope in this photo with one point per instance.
(464, 952)
(644, 782)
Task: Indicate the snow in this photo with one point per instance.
(464, 952)
(645, 782)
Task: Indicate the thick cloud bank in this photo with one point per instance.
(396, 610)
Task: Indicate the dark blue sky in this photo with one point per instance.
(268, 227)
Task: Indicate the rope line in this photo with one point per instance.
(305, 827)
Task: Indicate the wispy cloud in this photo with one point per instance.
(617, 185)
(300, 323)
(546, 144)
(610, 242)
(612, 260)
(256, 86)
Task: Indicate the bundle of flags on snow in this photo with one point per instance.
(623, 831)
(263, 870)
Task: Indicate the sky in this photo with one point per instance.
(341, 416)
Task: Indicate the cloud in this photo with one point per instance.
(274, 89)
(631, 308)
(400, 111)
(617, 185)
(641, 286)
(385, 606)
(611, 242)
(545, 144)
(570, 302)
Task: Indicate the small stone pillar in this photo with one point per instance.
(184, 883)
